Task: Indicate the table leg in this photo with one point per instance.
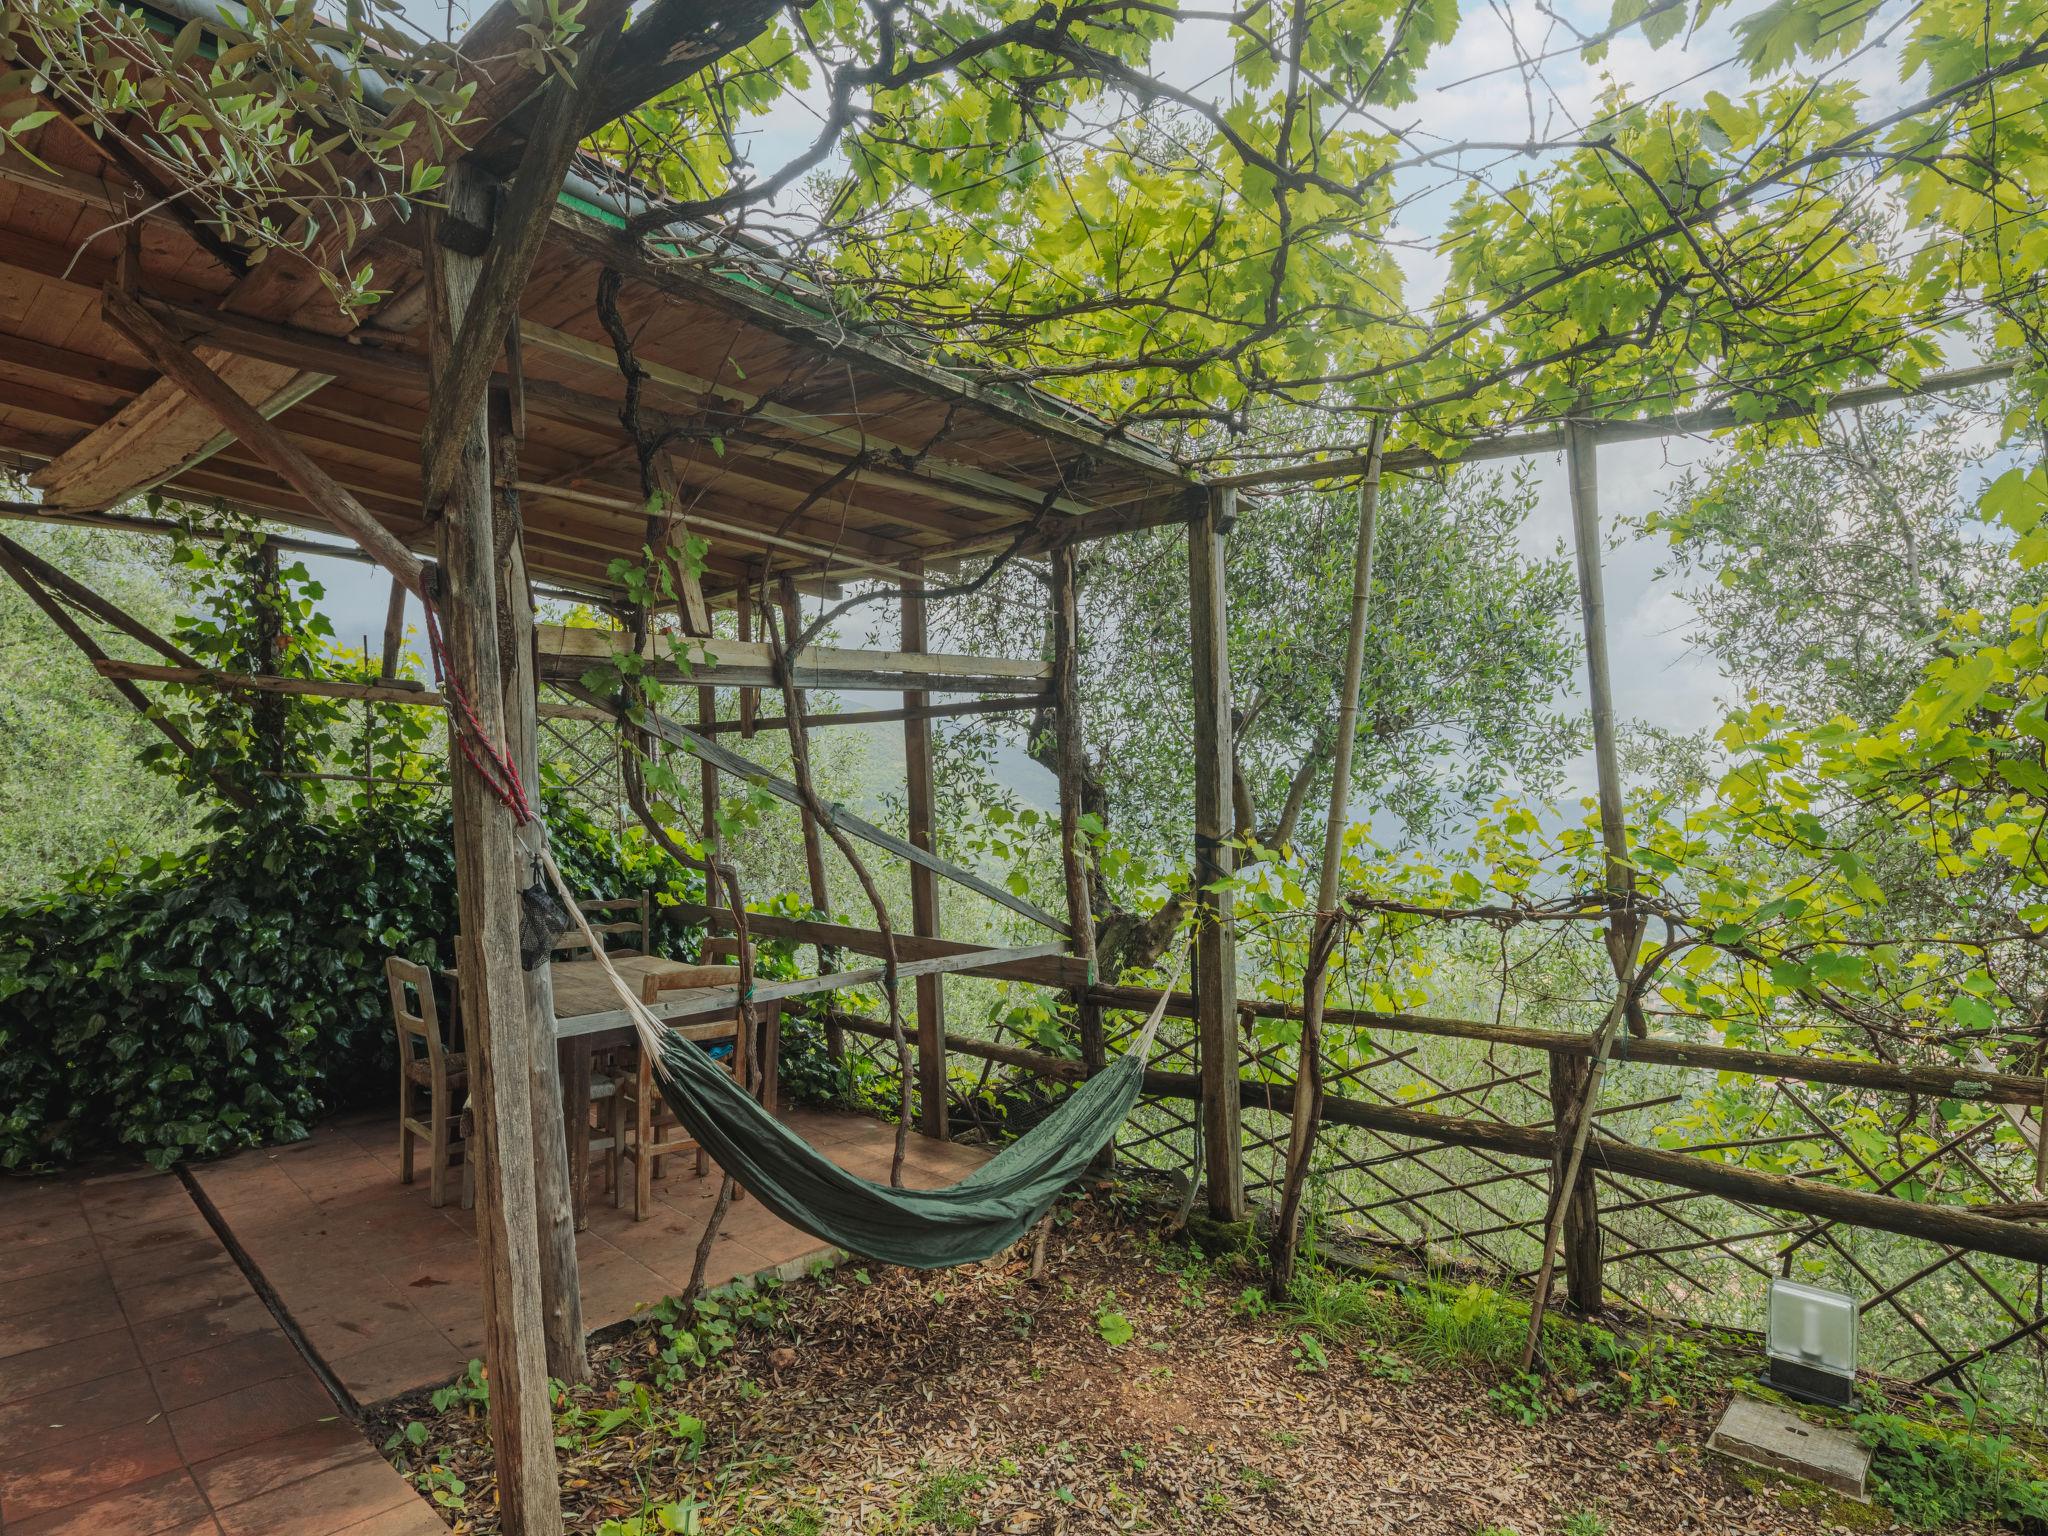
(573, 1061)
(771, 1057)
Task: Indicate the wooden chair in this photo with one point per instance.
(633, 927)
(425, 1063)
(652, 1131)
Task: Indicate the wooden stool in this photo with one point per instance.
(424, 1062)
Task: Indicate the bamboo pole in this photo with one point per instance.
(1568, 1191)
(1308, 1094)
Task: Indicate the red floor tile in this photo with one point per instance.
(204, 1327)
(69, 1364)
(52, 1325)
(323, 1503)
(249, 1414)
(158, 1506)
(44, 1482)
(81, 1284)
(52, 1419)
(30, 1255)
(211, 1373)
(276, 1463)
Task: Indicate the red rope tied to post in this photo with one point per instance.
(492, 762)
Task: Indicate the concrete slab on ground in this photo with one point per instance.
(1766, 1435)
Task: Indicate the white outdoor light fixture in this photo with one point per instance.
(1812, 1343)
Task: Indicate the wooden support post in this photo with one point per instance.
(1325, 928)
(1215, 978)
(1073, 773)
(814, 841)
(394, 630)
(743, 622)
(560, 1072)
(1574, 1206)
(489, 869)
(924, 885)
(1583, 1248)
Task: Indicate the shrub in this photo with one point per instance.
(1934, 1475)
(190, 1005)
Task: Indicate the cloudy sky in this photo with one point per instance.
(1480, 87)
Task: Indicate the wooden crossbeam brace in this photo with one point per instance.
(709, 1003)
(1064, 970)
(55, 612)
(177, 362)
(886, 716)
(705, 749)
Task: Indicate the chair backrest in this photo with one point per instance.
(631, 925)
(720, 949)
(687, 978)
(414, 1013)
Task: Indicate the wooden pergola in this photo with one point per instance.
(465, 434)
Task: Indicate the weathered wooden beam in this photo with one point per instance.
(1058, 1069)
(1549, 437)
(176, 361)
(1215, 972)
(704, 1004)
(888, 716)
(567, 653)
(1953, 1225)
(1062, 970)
(519, 227)
(55, 612)
(727, 761)
(93, 603)
(1070, 754)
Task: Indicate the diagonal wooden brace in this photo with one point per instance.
(179, 363)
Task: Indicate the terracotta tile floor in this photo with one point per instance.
(146, 1390)
(387, 1290)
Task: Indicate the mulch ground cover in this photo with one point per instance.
(1129, 1388)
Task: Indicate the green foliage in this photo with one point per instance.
(192, 1004)
(693, 1336)
(71, 789)
(1113, 1326)
(1935, 1475)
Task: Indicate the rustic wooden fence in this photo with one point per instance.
(1711, 1169)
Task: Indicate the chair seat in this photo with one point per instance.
(423, 1071)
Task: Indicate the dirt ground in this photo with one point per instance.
(887, 1400)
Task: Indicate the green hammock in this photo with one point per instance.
(974, 1219)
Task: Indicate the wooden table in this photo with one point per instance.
(590, 1018)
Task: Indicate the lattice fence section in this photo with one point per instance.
(584, 757)
(1160, 1133)
(1930, 1313)
(1443, 1204)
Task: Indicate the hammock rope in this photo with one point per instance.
(962, 1223)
